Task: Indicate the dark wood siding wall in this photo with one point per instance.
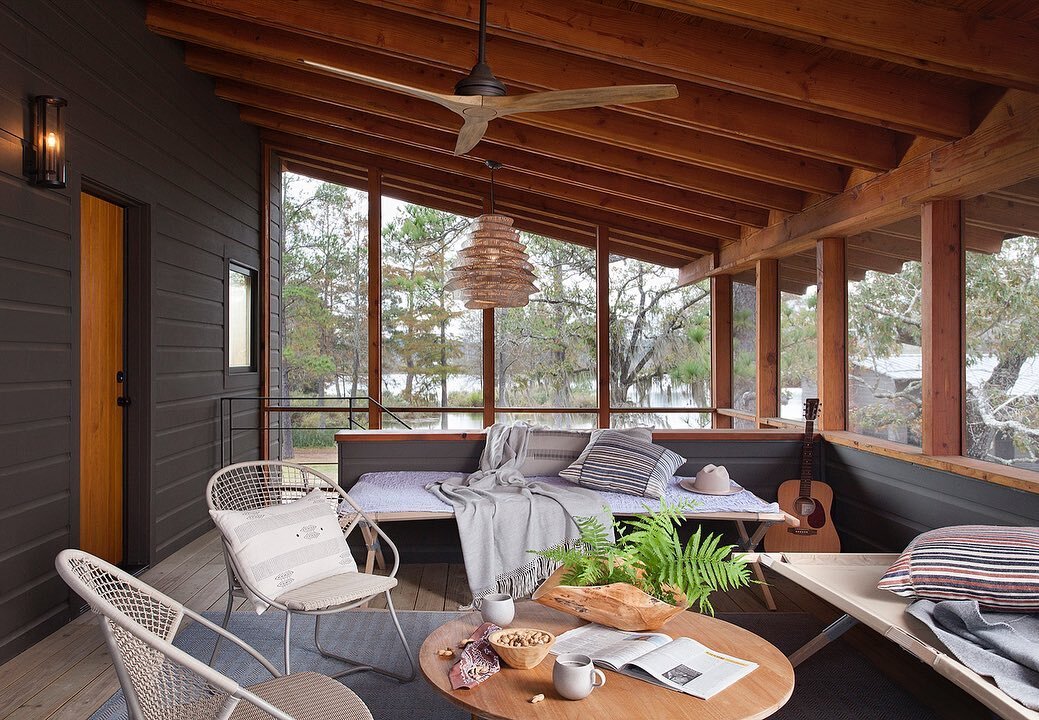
(276, 328)
(882, 503)
(142, 125)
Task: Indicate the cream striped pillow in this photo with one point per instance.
(283, 547)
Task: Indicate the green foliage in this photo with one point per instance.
(648, 553)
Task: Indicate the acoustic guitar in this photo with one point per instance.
(808, 500)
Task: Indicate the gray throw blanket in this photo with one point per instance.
(1002, 646)
(501, 515)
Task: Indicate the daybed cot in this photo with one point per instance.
(388, 480)
(849, 582)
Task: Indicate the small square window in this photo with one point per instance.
(241, 318)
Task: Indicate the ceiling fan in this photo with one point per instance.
(480, 97)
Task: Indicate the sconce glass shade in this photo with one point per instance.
(49, 141)
(492, 270)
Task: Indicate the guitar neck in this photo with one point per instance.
(807, 458)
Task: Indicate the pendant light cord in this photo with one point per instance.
(493, 165)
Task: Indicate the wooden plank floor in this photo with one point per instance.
(68, 675)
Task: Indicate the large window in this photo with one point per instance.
(323, 315)
(744, 345)
(885, 364)
(432, 348)
(544, 353)
(1001, 234)
(798, 369)
(660, 346)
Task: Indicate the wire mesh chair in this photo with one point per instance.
(264, 483)
(162, 682)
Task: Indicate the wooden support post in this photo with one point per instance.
(489, 385)
(767, 345)
(831, 318)
(721, 347)
(602, 320)
(942, 310)
(375, 295)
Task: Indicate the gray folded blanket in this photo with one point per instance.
(1002, 646)
(501, 515)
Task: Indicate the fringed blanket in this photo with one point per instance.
(501, 516)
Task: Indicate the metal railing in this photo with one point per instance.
(266, 405)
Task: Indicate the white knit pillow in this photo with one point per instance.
(286, 546)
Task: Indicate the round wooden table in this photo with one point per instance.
(506, 695)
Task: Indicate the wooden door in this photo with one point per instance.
(101, 443)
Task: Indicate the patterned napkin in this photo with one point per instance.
(478, 660)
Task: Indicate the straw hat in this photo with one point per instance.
(711, 480)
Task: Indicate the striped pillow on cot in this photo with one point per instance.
(617, 462)
(997, 566)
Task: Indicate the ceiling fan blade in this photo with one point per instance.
(470, 134)
(586, 97)
(454, 103)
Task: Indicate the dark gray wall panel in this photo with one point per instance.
(142, 125)
(882, 503)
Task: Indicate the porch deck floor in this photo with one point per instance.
(68, 675)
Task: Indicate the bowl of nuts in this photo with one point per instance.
(521, 648)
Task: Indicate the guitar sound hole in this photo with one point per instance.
(805, 506)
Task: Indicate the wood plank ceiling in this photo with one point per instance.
(780, 105)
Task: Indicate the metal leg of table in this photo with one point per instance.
(837, 628)
(749, 543)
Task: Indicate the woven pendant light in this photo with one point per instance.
(493, 269)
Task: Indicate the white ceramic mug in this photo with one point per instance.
(498, 609)
(574, 676)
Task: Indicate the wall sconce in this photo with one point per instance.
(48, 150)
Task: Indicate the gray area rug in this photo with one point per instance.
(837, 683)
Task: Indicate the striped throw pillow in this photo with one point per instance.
(284, 547)
(997, 566)
(617, 462)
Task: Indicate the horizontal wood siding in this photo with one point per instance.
(882, 503)
(275, 329)
(142, 125)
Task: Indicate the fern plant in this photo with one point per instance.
(649, 554)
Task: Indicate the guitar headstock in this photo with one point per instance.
(811, 409)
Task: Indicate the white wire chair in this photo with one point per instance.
(162, 682)
(260, 484)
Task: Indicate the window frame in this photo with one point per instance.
(233, 265)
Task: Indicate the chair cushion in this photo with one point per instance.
(283, 547)
(996, 566)
(336, 590)
(305, 696)
(619, 461)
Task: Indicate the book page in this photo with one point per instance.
(606, 646)
(687, 666)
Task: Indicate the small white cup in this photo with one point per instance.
(574, 676)
(498, 609)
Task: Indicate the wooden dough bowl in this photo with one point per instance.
(618, 605)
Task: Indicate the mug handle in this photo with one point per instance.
(600, 675)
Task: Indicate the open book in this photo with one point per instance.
(681, 664)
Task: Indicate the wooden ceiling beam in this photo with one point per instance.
(1004, 150)
(508, 142)
(690, 52)
(716, 111)
(527, 220)
(995, 50)
(651, 200)
(623, 132)
(544, 197)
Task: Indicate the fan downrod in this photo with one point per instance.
(480, 80)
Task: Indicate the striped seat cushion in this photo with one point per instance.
(997, 566)
(283, 547)
(615, 461)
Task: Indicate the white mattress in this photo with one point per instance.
(405, 491)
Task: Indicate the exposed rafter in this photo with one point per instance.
(949, 40)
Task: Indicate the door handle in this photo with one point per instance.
(122, 401)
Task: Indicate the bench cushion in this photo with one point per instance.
(996, 566)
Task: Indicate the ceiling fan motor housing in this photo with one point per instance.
(480, 81)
